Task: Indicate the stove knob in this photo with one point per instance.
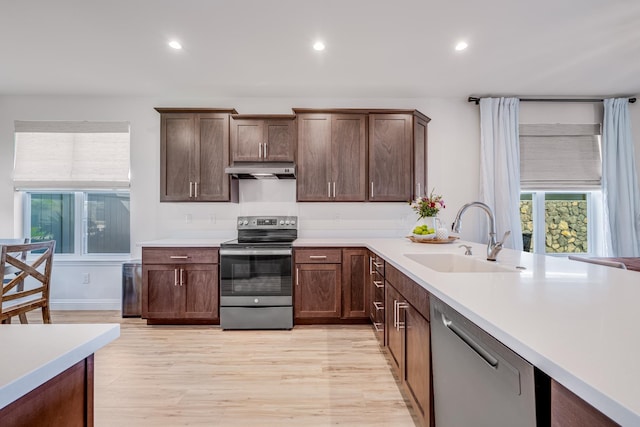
(245, 222)
(256, 300)
(240, 222)
(287, 222)
(293, 222)
(281, 222)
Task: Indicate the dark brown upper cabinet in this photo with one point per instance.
(331, 162)
(397, 156)
(263, 138)
(194, 151)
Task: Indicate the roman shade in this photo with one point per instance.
(560, 157)
(71, 155)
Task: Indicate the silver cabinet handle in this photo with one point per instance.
(196, 187)
(378, 284)
(395, 314)
(179, 257)
(378, 327)
(377, 265)
(370, 265)
(181, 279)
(190, 188)
(297, 276)
(317, 257)
(259, 150)
(401, 305)
(378, 305)
(334, 189)
(372, 189)
(264, 149)
(329, 189)
(175, 277)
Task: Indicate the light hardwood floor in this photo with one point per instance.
(203, 376)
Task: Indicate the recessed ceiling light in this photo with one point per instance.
(461, 46)
(175, 44)
(318, 46)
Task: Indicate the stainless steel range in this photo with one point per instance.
(256, 287)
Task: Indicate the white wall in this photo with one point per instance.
(453, 171)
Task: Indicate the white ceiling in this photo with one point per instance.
(375, 48)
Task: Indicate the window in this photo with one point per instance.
(557, 223)
(560, 178)
(75, 180)
(80, 222)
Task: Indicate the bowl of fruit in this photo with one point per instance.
(424, 232)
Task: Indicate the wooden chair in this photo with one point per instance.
(614, 264)
(15, 300)
(10, 273)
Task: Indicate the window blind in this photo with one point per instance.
(560, 157)
(71, 155)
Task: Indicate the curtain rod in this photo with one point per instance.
(477, 100)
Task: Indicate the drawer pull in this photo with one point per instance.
(378, 284)
(378, 265)
(317, 257)
(179, 257)
(378, 326)
(378, 305)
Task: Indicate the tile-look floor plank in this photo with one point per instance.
(203, 376)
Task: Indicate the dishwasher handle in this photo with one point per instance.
(467, 339)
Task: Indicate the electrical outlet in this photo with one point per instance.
(86, 278)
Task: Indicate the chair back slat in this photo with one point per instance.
(22, 268)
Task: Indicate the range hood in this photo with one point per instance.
(262, 170)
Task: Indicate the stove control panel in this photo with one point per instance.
(267, 222)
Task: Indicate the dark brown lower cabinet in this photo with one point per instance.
(568, 410)
(355, 267)
(180, 285)
(317, 291)
(409, 346)
(66, 400)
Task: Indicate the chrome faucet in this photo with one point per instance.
(493, 247)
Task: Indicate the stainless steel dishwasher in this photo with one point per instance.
(477, 381)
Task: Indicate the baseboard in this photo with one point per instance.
(85, 304)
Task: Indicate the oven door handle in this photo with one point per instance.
(256, 252)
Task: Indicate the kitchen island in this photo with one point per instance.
(47, 372)
(574, 321)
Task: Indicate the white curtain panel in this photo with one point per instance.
(620, 181)
(500, 165)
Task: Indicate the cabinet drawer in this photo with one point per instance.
(318, 256)
(179, 255)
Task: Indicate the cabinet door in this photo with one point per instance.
(417, 369)
(177, 145)
(200, 291)
(161, 292)
(394, 334)
(279, 136)
(420, 157)
(211, 158)
(246, 140)
(390, 157)
(317, 291)
(348, 142)
(314, 158)
(355, 269)
(569, 410)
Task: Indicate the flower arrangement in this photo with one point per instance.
(428, 206)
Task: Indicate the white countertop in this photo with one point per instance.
(577, 322)
(33, 354)
(187, 243)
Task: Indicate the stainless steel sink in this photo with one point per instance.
(453, 263)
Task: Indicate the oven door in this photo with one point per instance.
(255, 277)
